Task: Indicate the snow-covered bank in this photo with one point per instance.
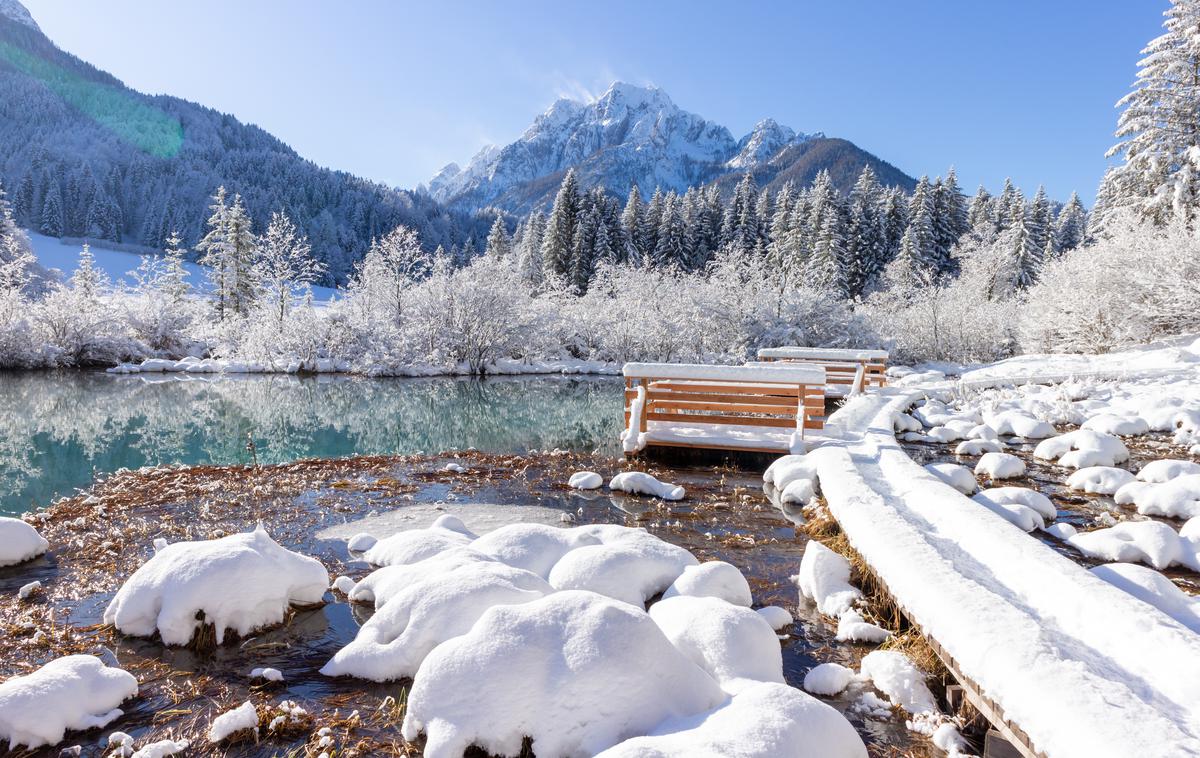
(1083, 668)
(194, 365)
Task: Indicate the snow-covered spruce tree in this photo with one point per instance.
(174, 280)
(633, 227)
(1009, 206)
(51, 223)
(1158, 131)
(1040, 220)
(894, 221)
(1026, 246)
(498, 241)
(741, 226)
(1071, 226)
(865, 247)
(917, 262)
(529, 248)
(949, 219)
(583, 248)
(827, 264)
(559, 238)
(283, 266)
(982, 213)
(18, 268)
(670, 247)
(156, 308)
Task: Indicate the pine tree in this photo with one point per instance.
(23, 200)
(632, 225)
(1026, 253)
(894, 222)
(651, 221)
(827, 265)
(241, 246)
(1158, 131)
(917, 258)
(741, 225)
(671, 239)
(530, 248)
(174, 280)
(1009, 207)
(558, 241)
(1071, 228)
(499, 245)
(1039, 221)
(88, 281)
(51, 223)
(949, 220)
(583, 249)
(865, 253)
(981, 214)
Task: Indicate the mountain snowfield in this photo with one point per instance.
(629, 135)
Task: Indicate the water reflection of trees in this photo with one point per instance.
(56, 428)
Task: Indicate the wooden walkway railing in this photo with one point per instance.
(853, 370)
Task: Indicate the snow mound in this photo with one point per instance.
(1176, 498)
(1121, 426)
(418, 544)
(603, 670)
(1000, 466)
(1166, 470)
(533, 547)
(161, 749)
(1150, 542)
(1025, 508)
(1099, 480)
(824, 578)
(1151, 587)
(958, 477)
(790, 468)
(903, 683)
(361, 542)
(735, 645)
(384, 583)
(902, 422)
(712, 579)
(241, 719)
(776, 616)
(632, 569)
(762, 721)
(852, 627)
(1020, 424)
(641, 483)
(978, 447)
(585, 480)
(798, 492)
(392, 643)
(19, 542)
(73, 692)
(828, 679)
(267, 674)
(1082, 448)
(241, 582)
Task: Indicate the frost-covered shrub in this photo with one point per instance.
(1133, 285)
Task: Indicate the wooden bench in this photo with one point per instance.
(747, 408)
(847, 371)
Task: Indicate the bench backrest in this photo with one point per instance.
(841, 366)
(768, 396)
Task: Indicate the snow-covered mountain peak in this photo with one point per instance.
(766, 139)
(14, 10)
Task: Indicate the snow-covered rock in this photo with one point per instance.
(712, 579)
(903, 683)
(585, 480)
(19, 542)
(632, 569)
(641, 483)
(1099, 480)
(790, 468)
(241, 582)
(537, 547)
(1178, 497)
(1020, 424)
(73, 692)
(1082, 448)
(418, 544)
(244, 718)
(361, 542)
(392, 643)
(1000, 466)
(1150, 542)
(828, 679)
(603, 669)
(1121, 426)
(852, 627)
(958, 477)
(824, 578)
(1151, 587)
(1025, 508)
(762, 721)
(1166, 470)
(777, 617)
(267, 674)
(161, 749)
(978, 447)
(735, 645)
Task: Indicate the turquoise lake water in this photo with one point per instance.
(59, 430)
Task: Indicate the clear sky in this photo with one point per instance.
(393, 91)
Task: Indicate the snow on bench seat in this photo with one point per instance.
(1075, 665)
(785, 374)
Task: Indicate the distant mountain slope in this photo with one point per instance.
(82, 155)
(637, 135)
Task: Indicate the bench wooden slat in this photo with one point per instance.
(692, 418)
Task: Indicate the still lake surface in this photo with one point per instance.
(60, 430)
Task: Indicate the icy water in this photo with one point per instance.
(60, 430)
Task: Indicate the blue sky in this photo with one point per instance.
(393, 91)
